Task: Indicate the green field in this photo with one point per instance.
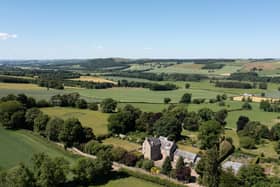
(128, 182)
(19, 146)
(116, 142)
(94, 119)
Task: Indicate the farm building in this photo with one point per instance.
(253, 98)
(189, 158)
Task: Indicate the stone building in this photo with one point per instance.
(158, 148)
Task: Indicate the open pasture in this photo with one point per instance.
(19, 146)
(94, 79)
(94, 119)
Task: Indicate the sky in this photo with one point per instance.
(63, 29)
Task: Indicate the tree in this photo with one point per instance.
(228, 179)
(191, 121)
(221, 116)
(277, 147)
(7, 110)
(241, 122)
(166, 166)
(275, 132)
(187, 85)
(147, 164)
(263, 85)
(81, 103)
(18, 120)
(186, 98)
(108, 105)
(180, 163)
(53, 128)
(183, 174)
(146, 121)
(211, 169)
(19, 176)
(255, 130)
(49, 172)
(251, 174)
(93, 106)
(206, 114)
(30, 116)
(209, 134)
(71, 132)
(166, 100)
(246, 106)
(168, 126)
(40, 123)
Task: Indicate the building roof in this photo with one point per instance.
(186, 155)
(165, 143)
(235, 166)
(153, 141)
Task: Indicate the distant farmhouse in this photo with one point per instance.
(253, 98)
(159, 148)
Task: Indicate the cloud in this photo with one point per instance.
(5, 36)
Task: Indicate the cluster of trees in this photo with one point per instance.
(253, 77)
(251, 132)
(16, 114)
(53, 172)
(9, 79)
(227, 84)
(266, 106)
(212, 175)
(161, 76)
(181, 171)
(151, 86)
(73, 100)
(167, 123)
(116, 154)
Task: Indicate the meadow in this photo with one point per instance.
(19, 146)
(93, 119)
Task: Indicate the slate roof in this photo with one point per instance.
(186, 155)
(153, 141)
(165, 143)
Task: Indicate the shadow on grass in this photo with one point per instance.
(110, 177)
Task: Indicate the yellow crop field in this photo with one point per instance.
(94, 79)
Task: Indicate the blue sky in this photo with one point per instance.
(49, 29)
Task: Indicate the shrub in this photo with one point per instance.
(247, 142)
(147, 164)
(93, 106)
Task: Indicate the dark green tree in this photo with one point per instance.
(191, 121)
(209, 134)
(180, 163)
(206, 114)
(251, 175)
(166, 166)
(166, 100)
(275, 132)
(241, 122)
(40, 123)
(53, 128)
(71, 132)
(108, 105)
(221, 116)
(186, 98)
(30, 116)
(168, 126)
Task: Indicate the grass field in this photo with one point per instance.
(128, 182)
(94, 119)
(19, 146)
(196, 69)
(94, 79)
(116, 142)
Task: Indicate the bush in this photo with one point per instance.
(42, 103)
(247, 142)
(147, 164)
(93, 106)
(246, 106)
(129, 159)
